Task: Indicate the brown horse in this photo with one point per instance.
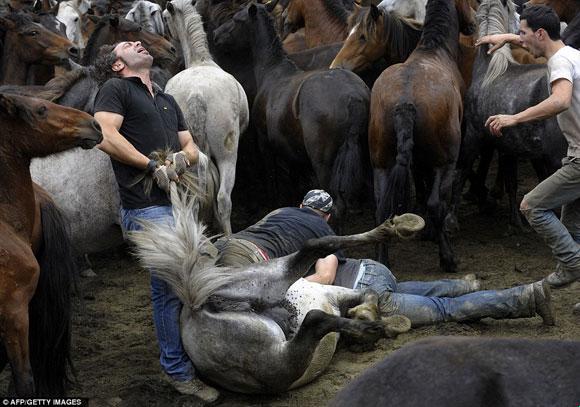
(34, 256)
(324, 21)
(378, 34)
(26, 43)
(566, 9)
(416, 111)
(112, 28)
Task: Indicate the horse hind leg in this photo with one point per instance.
(227, 172)
(380, 178)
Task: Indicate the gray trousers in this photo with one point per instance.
(561, 189)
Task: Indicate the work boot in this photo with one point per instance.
(194, 387)
(543, 302)
(561, 278)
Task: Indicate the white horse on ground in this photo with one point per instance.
(214, 104)
(148, 15)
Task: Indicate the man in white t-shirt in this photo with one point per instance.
(540, 34)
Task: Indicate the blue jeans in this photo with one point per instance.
(431, 302)
(559, 190)
(166, 305)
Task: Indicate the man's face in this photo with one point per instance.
(531, 39)
(132, 55)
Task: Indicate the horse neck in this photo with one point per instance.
(441, 30)
(100, 36)
(321, 27)
(270, 59)
(193, 40)
(13, 70)
(16, 193)
(399, 38)
(571, 11)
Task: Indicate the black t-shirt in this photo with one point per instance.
(149, 124)
(347, 272)
(285, 230)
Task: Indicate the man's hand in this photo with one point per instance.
(496, 40)
(177, 162)
(163, 176)
(499, 121)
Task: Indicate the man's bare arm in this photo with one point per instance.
(188, 146)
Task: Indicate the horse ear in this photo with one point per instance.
(374, 12)
(6, 24)
(271, 5)
(7, 105)
(114, 20)
(253, 10)
(170, 8)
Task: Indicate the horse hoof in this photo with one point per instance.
(364, 312)
(88, 273)
(395, 325)
(408, 224)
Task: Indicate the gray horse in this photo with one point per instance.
(502, 86)
(261, 328)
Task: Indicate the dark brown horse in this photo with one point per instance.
(34, 257)
(26, 43)
(324, 21)
(112, 28)
(416, 112)
(311, 125)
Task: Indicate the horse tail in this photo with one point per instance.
(396, 192)
(50, 308)
(348, 170)
(179, 253)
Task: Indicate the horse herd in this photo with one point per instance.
(405, 100)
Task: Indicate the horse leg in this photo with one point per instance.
(227, 170)
(509, 166)
(438, 206)
(380, 178)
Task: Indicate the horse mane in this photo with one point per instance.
(90, 49)
(436, 26)
(402, 34)
(224, 10)
(276, 47)
(493, 18)
(337, 10)
(181, 254)
(197, 39)
(60, 84)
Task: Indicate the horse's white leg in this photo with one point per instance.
(227, 171)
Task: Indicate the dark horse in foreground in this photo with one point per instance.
(416, 112)
(35, 257)
(459, 372)
(310, 124)
(261, 328)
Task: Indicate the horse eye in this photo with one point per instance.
(41, 111)
(76, 19)
(362, 37)
(32, 33)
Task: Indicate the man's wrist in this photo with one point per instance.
(151, 166)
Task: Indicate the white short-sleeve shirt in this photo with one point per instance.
(565, 64)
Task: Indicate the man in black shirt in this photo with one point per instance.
(137, 118)
(281, 233)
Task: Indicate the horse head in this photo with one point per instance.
(35, 43)
(235, 33)
(293, 17)
(71, 18)
(148, 15)
(38, 127)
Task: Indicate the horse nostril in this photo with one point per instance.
(74, 51)
(173, 50)
(96, 126)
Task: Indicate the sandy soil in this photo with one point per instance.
(115, 349)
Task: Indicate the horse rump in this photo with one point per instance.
(50, 308)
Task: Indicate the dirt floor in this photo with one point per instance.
(115, 349)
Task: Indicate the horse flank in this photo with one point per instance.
(493, 19)
(181, 255)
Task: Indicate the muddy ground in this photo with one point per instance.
(115, 350)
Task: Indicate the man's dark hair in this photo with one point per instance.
(104, 63)
(545, 17)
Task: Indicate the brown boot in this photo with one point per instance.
(543, 302)
(195, 387)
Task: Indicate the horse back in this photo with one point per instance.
(435, 90)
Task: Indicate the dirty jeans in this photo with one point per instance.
(561, 189)
(427, 303)
(166, 305)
